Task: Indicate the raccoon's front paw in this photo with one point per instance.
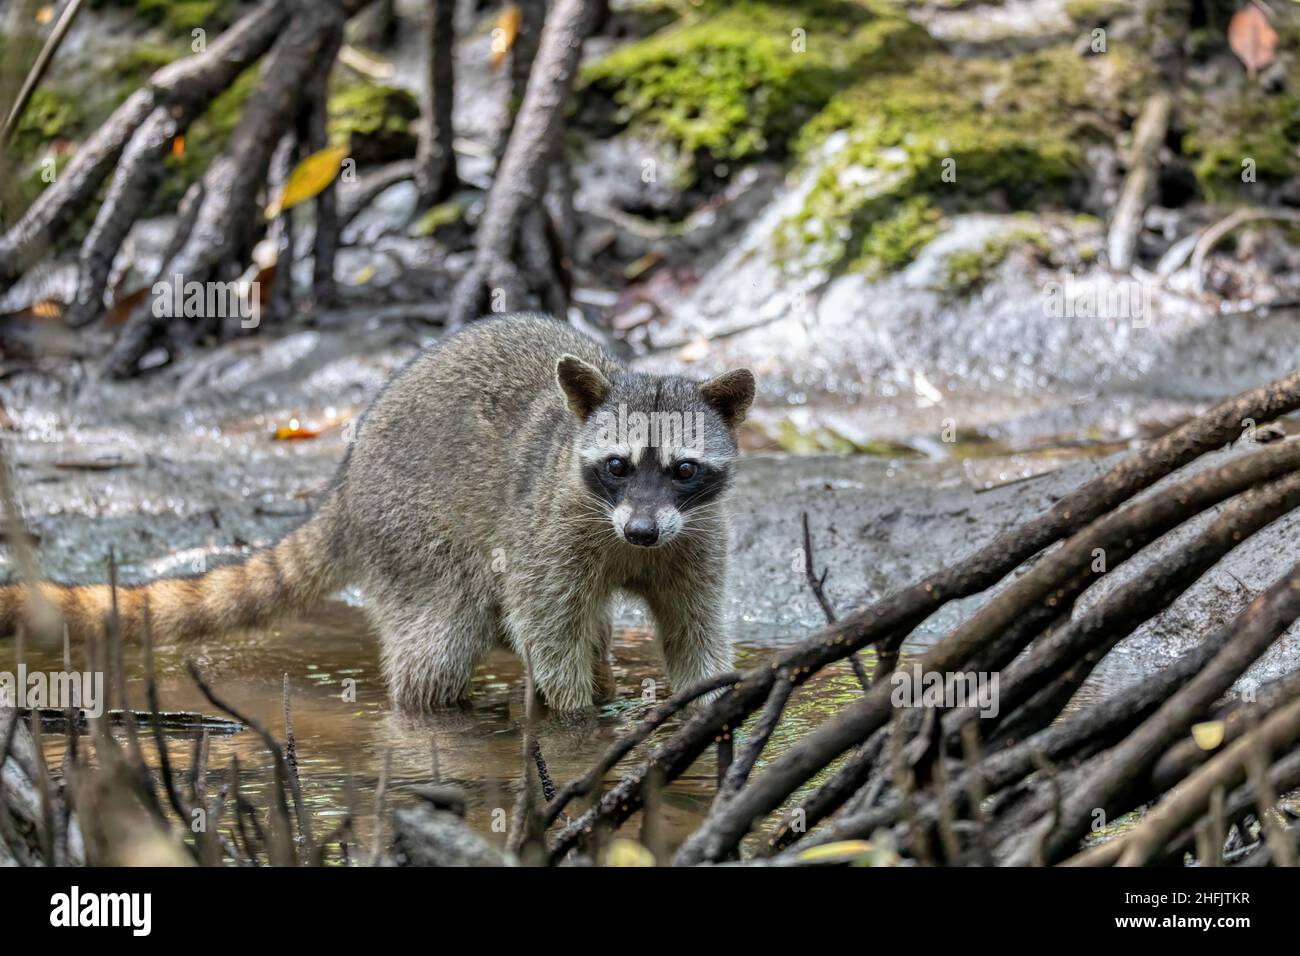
(565, 700)
(704, 700)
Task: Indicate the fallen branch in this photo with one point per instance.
(1139, 183)
(1109, 778)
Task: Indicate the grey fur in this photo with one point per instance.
(477, 506)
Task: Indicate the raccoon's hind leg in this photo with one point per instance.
(433, 638)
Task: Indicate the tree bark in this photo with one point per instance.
(314, 134)
(1111, 776)
(532, 19)
(521, 179)
(137, 173)
(436, 177)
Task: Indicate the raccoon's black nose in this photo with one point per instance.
(641, 531)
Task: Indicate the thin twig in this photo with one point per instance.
(37, 72)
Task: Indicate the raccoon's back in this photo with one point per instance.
(468, 426)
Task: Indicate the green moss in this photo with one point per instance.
(1238, 119)
(967, 271)
(376, 120)
(1092, 12)
(51, 114)
(1224, 131)
(182, 16)
(894, 240)
(951, 134)
(738, 80)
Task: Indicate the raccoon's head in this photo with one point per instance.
(656, 452)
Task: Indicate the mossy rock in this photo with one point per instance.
(967, 271)
(952, 134)
(377, 120)
(896, 237)
(1229, 134)
(1235, 119)
(738, 80)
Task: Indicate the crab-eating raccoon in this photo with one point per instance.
(503, 487)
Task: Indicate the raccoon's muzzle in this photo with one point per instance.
(641, 530)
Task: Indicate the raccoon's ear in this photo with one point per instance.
(730, 394)
(585, 388)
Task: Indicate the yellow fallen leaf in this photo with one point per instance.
(842, 851)
(45, 14)
(308, 178)
(364, 274)
(503, 37)
(637, 268)
(1208, 735)
(624, 852)
(294, 431)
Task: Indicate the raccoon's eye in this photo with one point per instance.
(616, 467)
(685, 470)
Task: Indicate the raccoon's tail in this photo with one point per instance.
(304, 567)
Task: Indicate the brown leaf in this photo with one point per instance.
(124, 305)
(1252, 39)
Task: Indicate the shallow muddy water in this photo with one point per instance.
(343, 739)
